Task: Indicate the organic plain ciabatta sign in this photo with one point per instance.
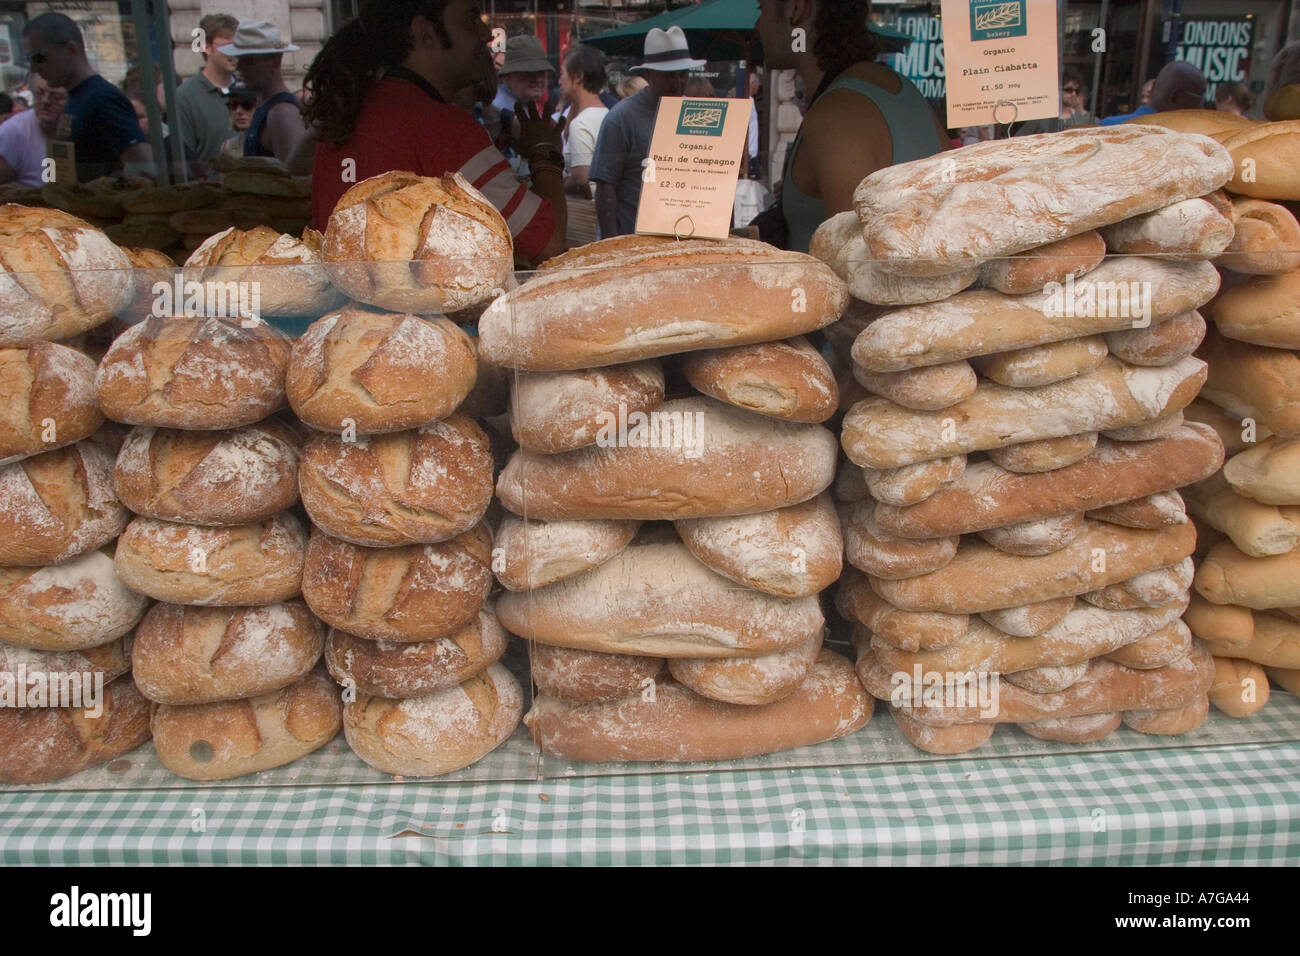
(1219, 48)
(688, 182)
(1000, 61)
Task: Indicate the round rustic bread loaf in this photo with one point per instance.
(209, 478)
(47, 399)
(197, 373)
(62, 276)
(248, 564)
(412, 487)
(397, 670)
(197, 655)
(151, 267)
(372, 372)
(417, 244)
(67, 607)
(552, 412)
(58, 505)
(534, 553)
(435, 733)
(106, 662)
(286, 271)
(591, 676)
(415, 593)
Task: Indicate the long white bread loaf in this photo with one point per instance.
(1253, 381)
(1228, 576)
(879, 433)
(1262, 310)
(1269, 471)
(1259, 530)
(1225, 624)
(1276, 643)
(1119, 294)
(954, 210)
(658, 600)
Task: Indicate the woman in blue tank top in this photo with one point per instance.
(863, 116)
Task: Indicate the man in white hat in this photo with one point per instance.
(624, 141)
(277, 127)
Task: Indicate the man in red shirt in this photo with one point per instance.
(381, 94)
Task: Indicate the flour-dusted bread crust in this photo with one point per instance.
(47, 399)
(910, 484)
(1042, 364)
(1161, 344)
(435, 733)
(193, 655)
(1030, 620)
(413, 487)
(589, 676)
(788, 380)
(1032, 269)
(580, 310)
(1263, 310)
(955, 210)
(534, 553)
(907, 630)
(373, 372)
(1048, 680)
(1267, 239)
(58, 505)
(417, 244)
(658, 600)
(194, 373)
(209, 478)
(1032, 538)
(552, 412)
(927, 388)
(1161, 648)
(1045, 454)
(59, 276)
(1073, 730)
(290, 277)
(107, 662)
(1157, 510)
(1191, 229)
(752, 681)
(67, 607)
(883, 555)
(698, 458)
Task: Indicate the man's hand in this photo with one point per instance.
(535, 130)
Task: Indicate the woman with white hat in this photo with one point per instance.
(277, 128)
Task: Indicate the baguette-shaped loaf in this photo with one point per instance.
(788, 380)
(879, 433)
(1161, 427)
(1288, 678)
(1157, 510)
(552, 412)
(1258, 530)
(694, 458)
(981, 578)
(698, 295)
(907, 630)
(883, 555)
(1276, 643)
(1032, 269)
(1046, 454)
(1261, 157)
(1125, 293)
(658, 600)
(535, 553)
(677, 724)
(1161, 344)
(1030, 620)
(912, 483)
(1228, 426)
(579, 675)
(1191, 229)
(927, 388)
(752, 681)
(67, 607)
(1263, 310)
(1268, 471)
(1229, 576)
(47, 399)
(1042, 364)
(1267, 239)
(1254, 381)
(987, 496)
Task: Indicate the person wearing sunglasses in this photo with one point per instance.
(241, 103)
(98, 120)
(1074, 101)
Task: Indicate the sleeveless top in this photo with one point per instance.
(253, 141)
(911, 127)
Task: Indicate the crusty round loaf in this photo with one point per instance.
(552, 412)
(412, 487)
(534, 553)
(197, 373)
(197, 655)
(47, 399)
(751, 681)
(61, 276)
(67, 607)
(574, 674)
(790, 552)
(40, 744)
(286, 270)
(371, 372)
(247, 564)
(414, 593)
(209, 478)
(150, 267)
(397, 670)
(107, 662)
(788, 380)
(58, 505)
(230, 738)
(417, 244)
(439, 732)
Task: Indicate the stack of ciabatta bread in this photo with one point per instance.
(699, 640)
(67, 700)
(396, 478)
(1011, 510)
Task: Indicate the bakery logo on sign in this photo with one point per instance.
(76, 909)
(701, 117)
(678, 431)
(1098, 300)
(997, 20)
(81, 690)
(940, 689)
(210, 300)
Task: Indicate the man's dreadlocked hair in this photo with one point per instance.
(378, 38)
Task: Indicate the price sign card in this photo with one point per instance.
(1001, 61)
(688, 182)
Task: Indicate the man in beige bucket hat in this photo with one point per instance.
(277, 127)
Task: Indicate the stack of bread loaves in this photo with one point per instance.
(1016, 513)
(396, 478)
(701, 640)
(67, 701)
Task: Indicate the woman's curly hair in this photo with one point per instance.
(842, 37)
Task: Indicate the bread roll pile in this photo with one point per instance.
(1011, 506)
(654, 382)
(67, 700)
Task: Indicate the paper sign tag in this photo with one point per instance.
(1001, 58)
(695, 160)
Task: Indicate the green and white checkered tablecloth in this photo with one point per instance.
(1232, 804)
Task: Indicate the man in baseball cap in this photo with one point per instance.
(624, 140)
(277, 127)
